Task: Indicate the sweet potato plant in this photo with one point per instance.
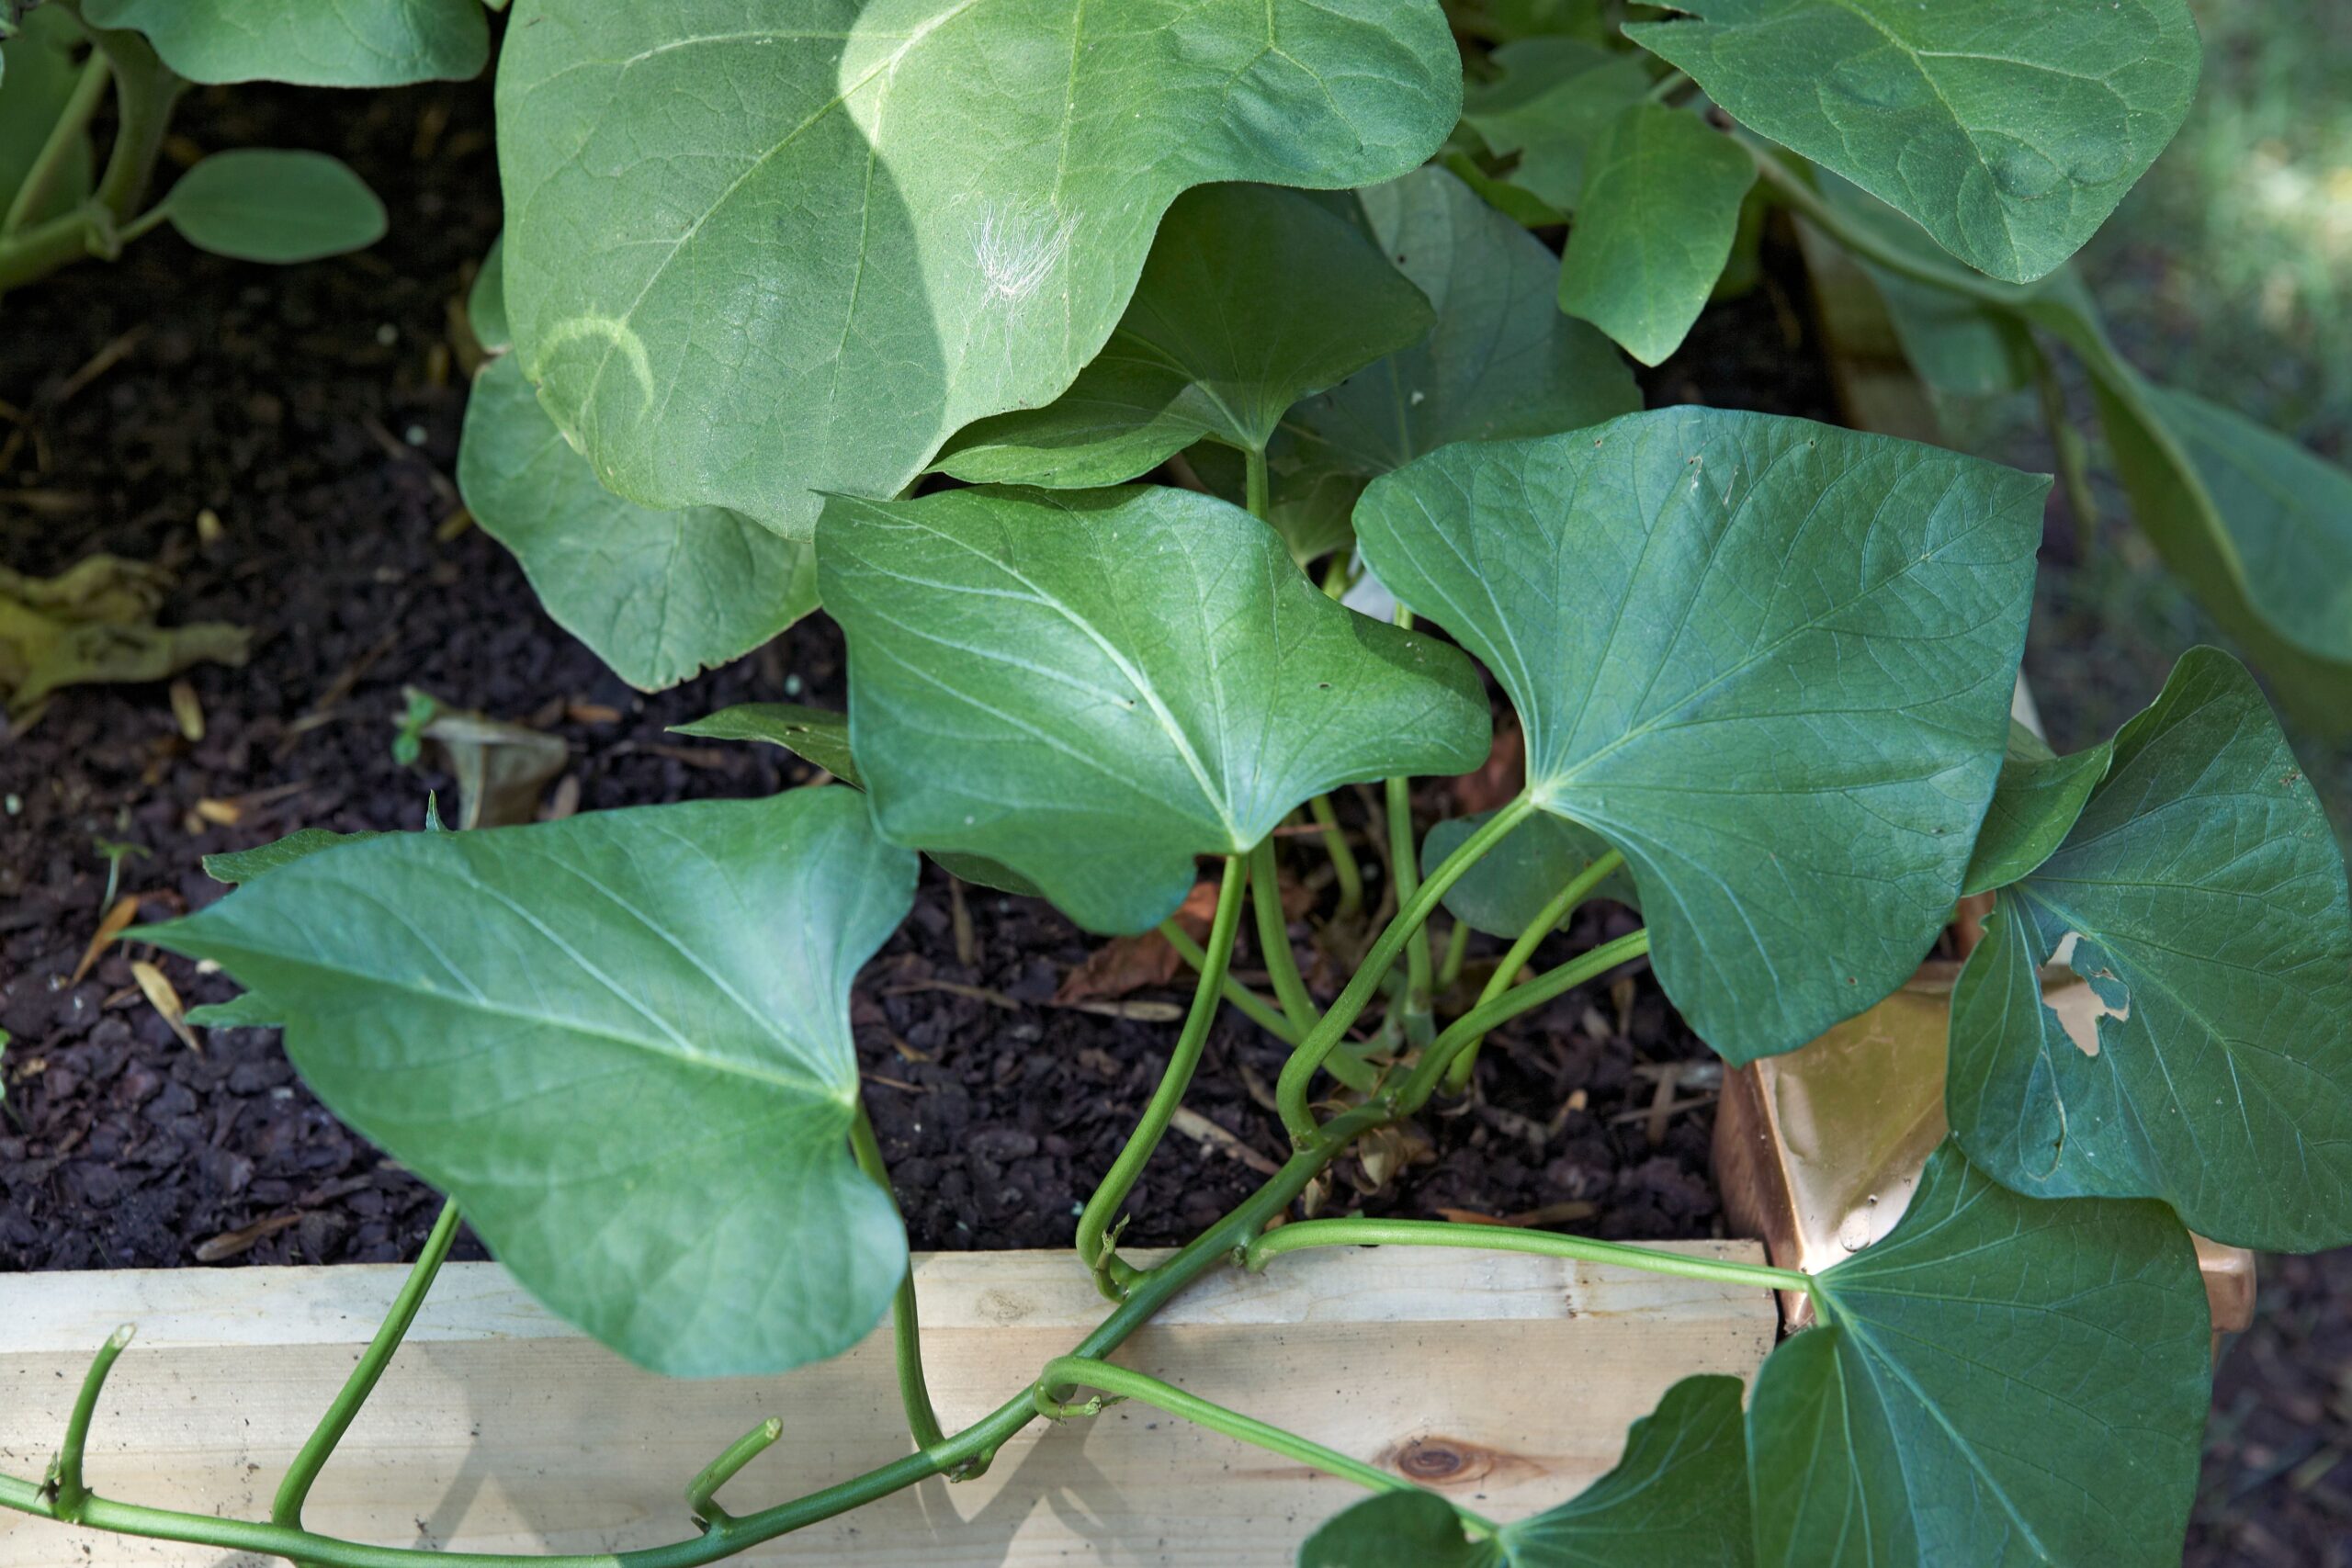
(1088, 365)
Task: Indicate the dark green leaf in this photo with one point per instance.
(657, 595)
(1501, 360)
(1095, 686)
(2035, 804)
(622, 1041)
(2000, 1381)
(40, 75)
(1768, 659)
(269, 205)
(1550, 106)
(2201, 897)
(249, 1009)
(238, 866)
(2009, 129)
(486, 301)
(1252, 298)
(811, 734)
(318, 43)
(1654, 227)
(1398, 1530)
(1502, 894)
(758, 259)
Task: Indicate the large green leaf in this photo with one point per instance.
(2259, 530)
(1654, 227)
(1768, 659)
(2008, 129)
(1504, 893)
(762, 251)
(1501, 360)
(657, 595)
(2035, 804)
(1252, 298)
(318, 43)
(622, 1041)
(40, 75)
(1095, 686)
(2201, 897)
(1677, 1498)
(1550, 106)
(2000, 1381)
(271, 205)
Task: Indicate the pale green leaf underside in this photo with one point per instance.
(268, 204)
(1654, 227)
(2202, 896)
(1093, 687)
(2001, 1381)
(1252, 297)
(657, 595)
(317, 43)
(760, 251)
(621, 1041)
(1501, 360)
(1504, 893)
(1769, 659)
(2008, 129)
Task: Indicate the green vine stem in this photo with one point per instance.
(1256, 492)
(1305, 1233)
(1546, 921)
(1793, 189)
(1471, 1026)
(1259, 1011)
(906, 1328)
(1405, 865)
(68, 1494)
(722, 1470)
(71, 122)
(1097, 1244)
(1273, 940)
(295, 1490)
(1064, 1372)
(1457, 948)
(1343, 858)
(1298, 1071)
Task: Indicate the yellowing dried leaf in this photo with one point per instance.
(116, 921)
(164, 998)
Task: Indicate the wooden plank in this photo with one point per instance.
(1507, 1380)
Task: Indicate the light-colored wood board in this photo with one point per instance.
(1506, 1379)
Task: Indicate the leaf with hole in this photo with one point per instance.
(2201, 897)
(1769, 659)
(1093, 687)
(2007, 129)
(754, 257)
(660, 596)
(621, 1041)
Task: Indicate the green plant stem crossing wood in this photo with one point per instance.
(702, 1490)
(66, 1489)
(1298, 1071)
(1273, 940)
(906, 1328)
(1305, 1233)
(1546, 921)
(1097, 1238)
(286, 1507)
(1064, 1372)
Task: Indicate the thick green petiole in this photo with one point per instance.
(1259, 1011)
(1273, 940)
(906, 1328)
(722, 1470)
(71, 122)
(1298, 1071)
(1343, 858)
(1546, 921)
(70, 1494)
(1096, 1245)
(1064, 1373)
(1466, 1031)
(1306, 1234)
(292, 1492)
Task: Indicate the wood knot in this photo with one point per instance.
(1442, 1461)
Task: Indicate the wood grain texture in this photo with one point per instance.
(1507, 1380)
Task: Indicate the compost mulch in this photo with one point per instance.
(314, 413)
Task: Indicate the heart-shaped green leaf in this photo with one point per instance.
(2000, 1381)
(1504, 893)
(621, 1041)
(657, 595)
(757, 257)
(1677, 1498)
(1654, 227)
(269, 205)
(2035, 804)
(1095, 686)
(2201, 897)
(1501, 361)
(1550, 106)
(1768, 659)
(316, 43)
(2007, 129)
(1252, 298)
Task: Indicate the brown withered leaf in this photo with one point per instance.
(164, 998)
(116, 921)
(1126, 964)
(229, 1243)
